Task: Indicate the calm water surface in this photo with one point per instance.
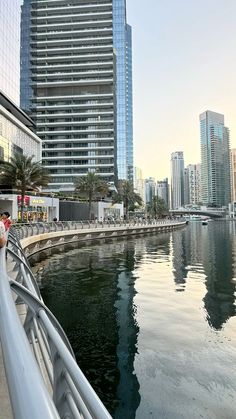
(151, 319)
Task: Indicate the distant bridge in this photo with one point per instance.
(210, 212)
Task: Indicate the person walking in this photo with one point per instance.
(2, 235)
(6, 220)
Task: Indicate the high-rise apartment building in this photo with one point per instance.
(233, 174)
(177, 179)
(139, 183)
(150, 189)
(215, 159)
(122, 39)
(163, 190)
(194, 183)
(70, 85)
(10, 49)
(186, 186)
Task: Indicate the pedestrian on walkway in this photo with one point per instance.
(2, 234)
(6, 219)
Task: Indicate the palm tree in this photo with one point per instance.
(91, 186)
(23, 174)
(157, 207)
(126, 195)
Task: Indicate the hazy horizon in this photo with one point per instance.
(183, 64)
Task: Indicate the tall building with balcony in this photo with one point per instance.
(177, 179)
(122, 36)
(10, 49)
(68, 86)
(215, 160)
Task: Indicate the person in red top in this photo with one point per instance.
(6, 220)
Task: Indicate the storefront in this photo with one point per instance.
(36, 208)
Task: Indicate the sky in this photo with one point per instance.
(184, 63)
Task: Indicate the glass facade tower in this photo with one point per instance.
(76, 84)
(68, 86)
(122, 38)
(215, 156)
(10, 49)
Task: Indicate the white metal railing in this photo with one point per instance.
(44, 380)
(43, 377)
(32, 229)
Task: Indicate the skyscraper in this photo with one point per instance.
(215, 176)
(122, 38)
(163, 190)
(71, 84)
(177, 179)
(10, 49)
(139, 184)
(233, 174)
(194, 183)
(150, 189)
(186, 186)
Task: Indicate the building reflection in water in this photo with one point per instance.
(91, 292)
(211, 249)
(128, 329)
(218, 266)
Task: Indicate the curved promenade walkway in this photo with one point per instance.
(44, 381)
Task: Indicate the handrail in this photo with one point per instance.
(43, 377)
(28, 393)
(31, 229)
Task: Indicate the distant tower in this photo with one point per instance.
(215, 156)
(177, 179)
(163, 190)
(233, 174)
(186, 186)
(139, 183)
(194, 183)
(150, 188)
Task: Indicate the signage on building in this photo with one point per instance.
(26, 200)
(37, 201)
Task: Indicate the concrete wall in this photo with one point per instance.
(78, 211)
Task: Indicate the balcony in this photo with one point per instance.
(72, 58)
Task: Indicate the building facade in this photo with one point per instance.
(10, 49)
(150, 189)
(194, 183)
(215, 160)
(186, 186)
(163, 191)
(16, 133)
(122, 38)
(70, 71)
(177, 179)
(73, 82)
(139, 184)
(233, 174)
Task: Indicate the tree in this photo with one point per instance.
(126, 195)
(157, 207)
(91, 186)
(23, 174)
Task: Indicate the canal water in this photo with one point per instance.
(151, 319)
